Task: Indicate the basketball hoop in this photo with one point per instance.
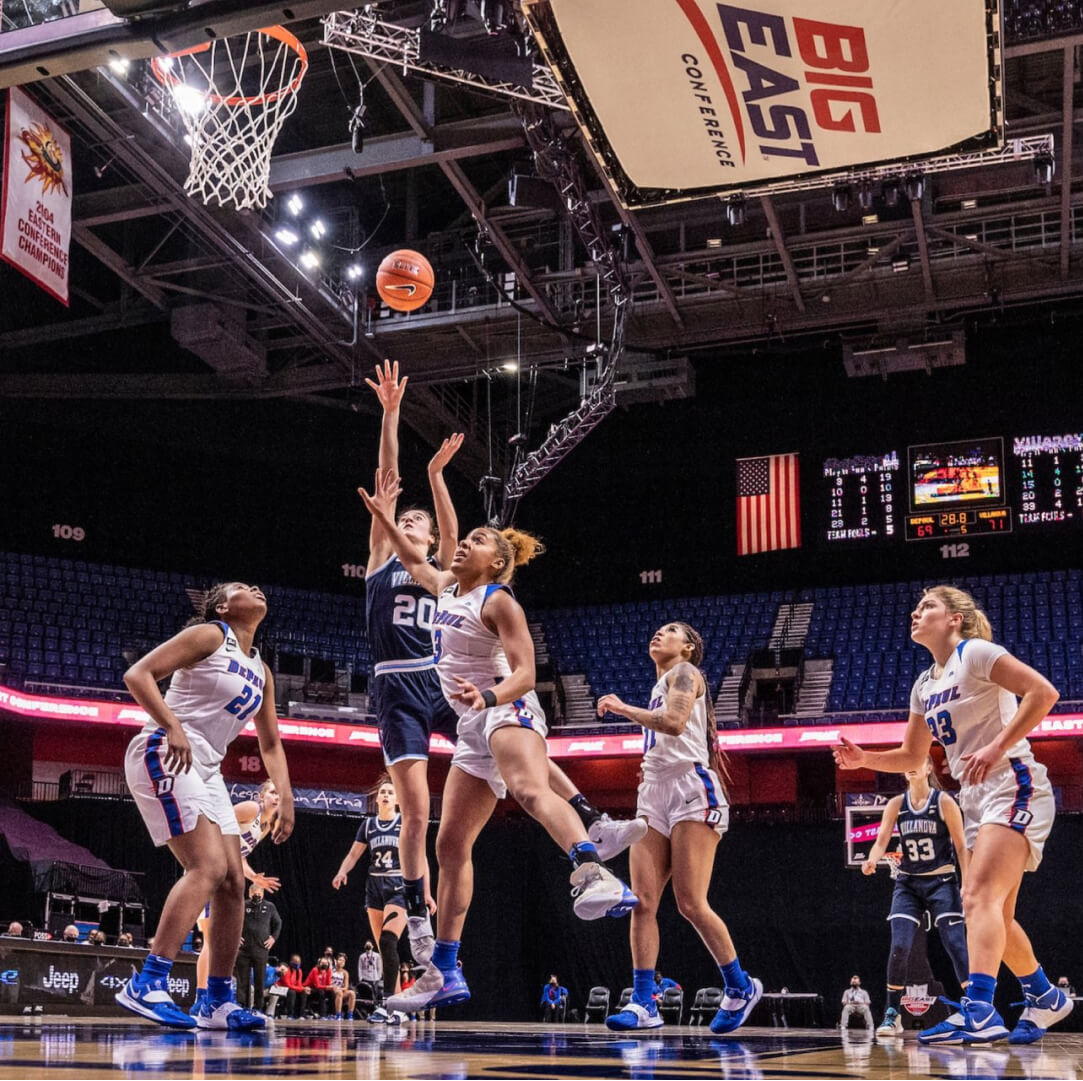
(893, 861)
(234, 95)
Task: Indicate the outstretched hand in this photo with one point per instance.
(389, 388)
(848, 755)
(448, 449)
(611, 703)
(385, 493)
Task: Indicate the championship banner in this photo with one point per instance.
(35, 223)
(682, 99)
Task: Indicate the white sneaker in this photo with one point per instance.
(422, 940)
(397, 1017)
(611, 836)
(597, 892)
(432, 988)
(891, 1024)
(378, 1016)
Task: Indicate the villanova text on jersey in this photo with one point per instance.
(925, 842)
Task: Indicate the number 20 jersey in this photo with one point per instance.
(398, 616)
(964, 709)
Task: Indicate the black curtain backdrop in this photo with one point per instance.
(799, 919)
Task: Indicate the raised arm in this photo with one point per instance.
(274, 760)
(381, 504)
(447, 523)
(915, 746)
(685, 685)
(883, 836)
(181, 651)
(389, 389)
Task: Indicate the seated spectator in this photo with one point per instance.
(15, 930)
(855, 999)
(96, 938)
(71, 933)
(1066, 987)
(554, 1000)
(345, 996)
(319, 988)
(124, 940)
(663, 984)
(293, 979)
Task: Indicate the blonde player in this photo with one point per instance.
(173, 769)
(979, 702)
(485, 661)
(684, 805)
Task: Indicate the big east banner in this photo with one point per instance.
(687, 98)
(36, 221)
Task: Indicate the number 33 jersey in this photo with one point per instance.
(925, 841)
(964, 709)
(216, 697)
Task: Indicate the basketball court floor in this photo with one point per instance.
(65, 1048)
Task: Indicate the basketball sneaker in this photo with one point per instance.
(1039, 1013)
(597, 892)
(432, 988)
(983, 1023)
(635, 1016)
(891, 1024)
(378, 1016)
(422, 939)
(611, 836)
(151, 998)
(201, 997)
(397, 1017)
(949, 1030)
(229, 1016)
(736, 1007)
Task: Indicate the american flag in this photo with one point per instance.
(768, 504)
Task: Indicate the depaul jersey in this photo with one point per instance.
(381, 835)
(398, 618)
(251, 835)
(464, 646)
(925, 841)
(663, 753)
(215, 698)
(964, 709)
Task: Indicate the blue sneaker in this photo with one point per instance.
(201, 997)
(948, 1031)
(1040, 1012)
(597, 892)
(229, 1016)
(433, 988)
(635, 1016)
(736, 1006)
(983, 1023)
(151, 998)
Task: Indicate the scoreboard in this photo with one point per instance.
(954, 490)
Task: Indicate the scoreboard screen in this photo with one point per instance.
(863, 496)
(1047, 471)
(951, 476)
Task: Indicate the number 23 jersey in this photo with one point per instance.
(964, 709)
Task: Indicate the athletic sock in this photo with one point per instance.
(583, 852)
(981, 987)
(219, 990)
(734, 978)
(894, 997)
(414, 888)
(444, 954)
(155, 967)
(1036, 984)
(585, 809)
(643, 986)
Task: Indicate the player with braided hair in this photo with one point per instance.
(485, 660)
(683, 799)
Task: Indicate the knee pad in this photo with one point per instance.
(389, 954)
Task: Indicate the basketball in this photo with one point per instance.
(404, 280)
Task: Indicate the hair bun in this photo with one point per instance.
(524, 546)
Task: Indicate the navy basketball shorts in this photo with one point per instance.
(410, 707)
(917, 894)
(384, 890)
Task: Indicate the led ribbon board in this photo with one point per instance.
(682, 99)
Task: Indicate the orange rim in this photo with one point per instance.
(279, 33)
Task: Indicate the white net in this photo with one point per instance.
(233, 96)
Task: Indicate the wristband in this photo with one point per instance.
(489, 698)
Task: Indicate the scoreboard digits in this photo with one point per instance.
(863, 495)
(1049, 477)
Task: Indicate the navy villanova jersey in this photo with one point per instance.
(398, 615)
(382, 839)
(925, 841)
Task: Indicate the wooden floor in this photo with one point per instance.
(65, 1048)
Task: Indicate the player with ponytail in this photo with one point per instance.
(683, 800)
(485, 661)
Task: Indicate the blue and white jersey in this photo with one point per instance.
(215, 698)
(398, 619)
(381, 835)
(464, 646)
(964, 709)
(925, 842)
(663, 754)
(251, 835)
